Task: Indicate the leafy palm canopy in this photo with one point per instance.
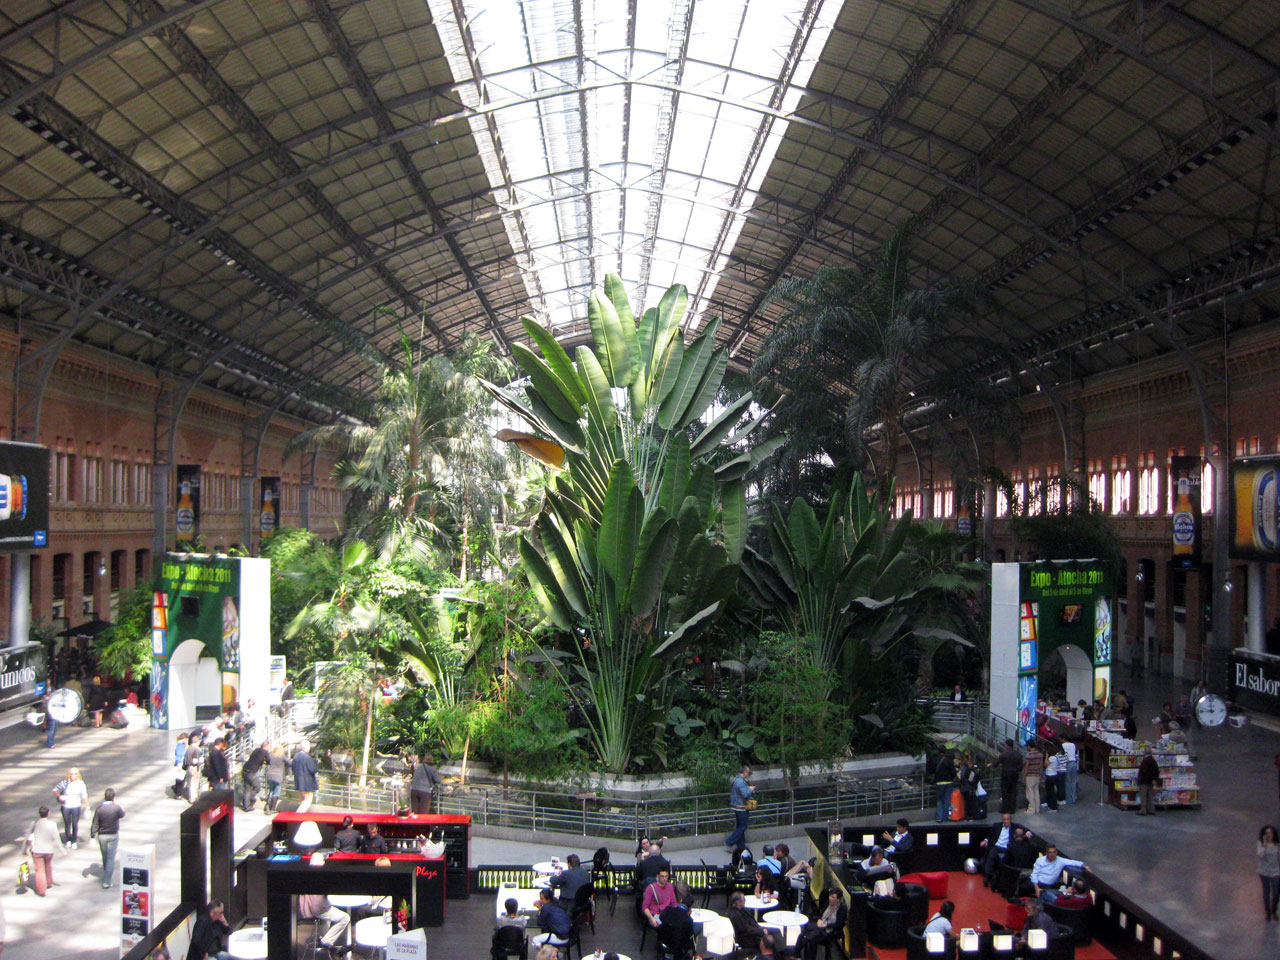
(861, 355)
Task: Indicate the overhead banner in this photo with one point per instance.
(24, 496)
(1184, 476)
(187, 513)
(268, 506)
(1255, 496)
(23, 674)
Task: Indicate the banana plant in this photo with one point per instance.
(644, 522)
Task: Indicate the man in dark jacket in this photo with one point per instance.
(252, 773)
(571, 880)
(209, 937)
(944, 779)
(1010, 763)
(216, 767)
(1022, 852)
(655, 863)
(375, 842)
(106, 827)
(997, 844)
(746, 929)
(304, 777)
(553, 919)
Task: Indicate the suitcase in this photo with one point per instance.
(957, 804)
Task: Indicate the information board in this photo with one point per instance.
(24, 496)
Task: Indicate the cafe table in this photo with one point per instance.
(248, 944)
(374, 932)
(348, 902)
(546, 867)
(525, 897)
(756, 904)
(700, 915)
(789, 920)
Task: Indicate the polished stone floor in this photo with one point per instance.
(1193, 869)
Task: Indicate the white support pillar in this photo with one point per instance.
(1255, 628)
(19, 598)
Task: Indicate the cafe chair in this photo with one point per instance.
(917, 897)
(602, 880)
(918, 949)
(886, 928)
(681, 950)
(312, 947)
(584, 906)
(715, 880)
(1076, 919)
(509, 942)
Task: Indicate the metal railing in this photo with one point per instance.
(956, 717)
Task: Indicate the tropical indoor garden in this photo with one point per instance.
(625, 558)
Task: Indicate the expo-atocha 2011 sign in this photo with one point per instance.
(1255, 681)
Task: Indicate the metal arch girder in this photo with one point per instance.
(1134, 51)
(225, 96)
(355, 71)
(65, 68)
(252, 434)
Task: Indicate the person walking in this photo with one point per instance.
(424, 784)
(740, 792)
(1033, 770)
(304, 777)
(106, 827)
(1148, 775)
(252, 773)
(50, 724)
(275, 776)
(179, 771)
(1269, 870)
(42, 842)
(72, 794)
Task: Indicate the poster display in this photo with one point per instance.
(1255, 508)
(24, 496)
(187, 511)
(268, 506)
(1184, 475)
(23, 675)
(137, 903)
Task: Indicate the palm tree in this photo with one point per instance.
(850, 354)
(423, 450)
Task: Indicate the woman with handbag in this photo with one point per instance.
(42, 841)
(741, 802)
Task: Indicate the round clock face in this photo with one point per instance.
(65, 705)
(1211, 710)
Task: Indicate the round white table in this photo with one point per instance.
(248, 944)
(373, 932)
(756, 904)
(789, 921)
(700, 915)
(348, 902)
(546, 866)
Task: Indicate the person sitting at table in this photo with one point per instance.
(647, 870)
(512, 917)
(317, 907)
(209, 936)
(347, 840)
(997, 845)
(746, 929)
(768, 946)
(766, 883)
(900, 841)
(1047, 872)
(876, 867)
(940, 922)
(657, 897)
(1076, 896)
(783, 853)
(1022, 852)
(1037, 919)
(769, 861)
(553, 919)
(828, 927)
(1176, 734)
(374, 842)
(646, 849)
(570, 881)
(676, 928)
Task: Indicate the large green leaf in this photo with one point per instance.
(567, 433)
(685, 630)
(675, 475)
(666, 372)
(719, 428)
(599, 397)
(803, 532)
(733, 511)
(546, 586)
(619, 525)
(617, 295)
(651, 570)
(617, 346)
(708, 387)
(671, 310)
(561, 559)
(697, 357)
(556, 357)
(549, 386)
(782, 560)
(586, 541)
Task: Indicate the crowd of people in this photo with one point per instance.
(43, 840)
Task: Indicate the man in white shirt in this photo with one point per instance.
(1070, 771)
(1047, 873)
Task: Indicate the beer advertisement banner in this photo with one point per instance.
(187, 513)
(1255, 498)
(268, 506)
(24, 496)
(1184, 478)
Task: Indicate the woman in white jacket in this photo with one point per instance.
(42, 842)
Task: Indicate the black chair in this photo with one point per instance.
(584, 907)
(574, 940)
(1007, 876)
(509, 942)
(1062, 944)
(917, 899)
(916, 950)
(602, 880)
(886, 928)
(1076, 919)
(715, 880)
(680, 949)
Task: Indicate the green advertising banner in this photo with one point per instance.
(203, 596)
